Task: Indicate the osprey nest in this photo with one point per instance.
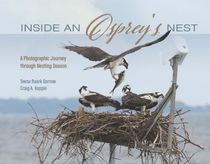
(83, 135)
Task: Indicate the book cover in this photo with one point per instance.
(109, 59)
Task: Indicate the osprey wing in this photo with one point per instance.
(92, 53)
(133, 100)
(134, 49)
(85, 102)
(144, 94)
(101, 100)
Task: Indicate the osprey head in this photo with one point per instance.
(126, 89)
(158, 94)
(83, 90)
(124, 63)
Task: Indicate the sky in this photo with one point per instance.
(13, 12)
(146, 72)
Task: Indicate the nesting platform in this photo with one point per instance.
(115, 128)
(75, 130)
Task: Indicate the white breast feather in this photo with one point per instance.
(149, 97)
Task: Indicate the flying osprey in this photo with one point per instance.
(94, 99)
(137, 102)
(108, 61)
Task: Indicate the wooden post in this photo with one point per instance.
(112, 153)
(174, 64)
(159, 110)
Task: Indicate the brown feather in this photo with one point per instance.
(92, 53)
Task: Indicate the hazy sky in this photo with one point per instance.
(146, 72)
(13, 12)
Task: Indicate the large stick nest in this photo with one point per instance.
(75, 130)
(115, 128)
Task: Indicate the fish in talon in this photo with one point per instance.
(121, 77)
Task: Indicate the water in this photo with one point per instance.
(16, 148)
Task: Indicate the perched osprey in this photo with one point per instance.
(94, 99)
(153, 97)
(137, 102)
(108, 61)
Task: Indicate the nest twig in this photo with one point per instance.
(76, 133)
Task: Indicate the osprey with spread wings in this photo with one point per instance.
(108, 61)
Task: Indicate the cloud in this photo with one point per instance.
(13, 13)
(166, 12)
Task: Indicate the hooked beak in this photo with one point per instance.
(125, 64)
(162, 96)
